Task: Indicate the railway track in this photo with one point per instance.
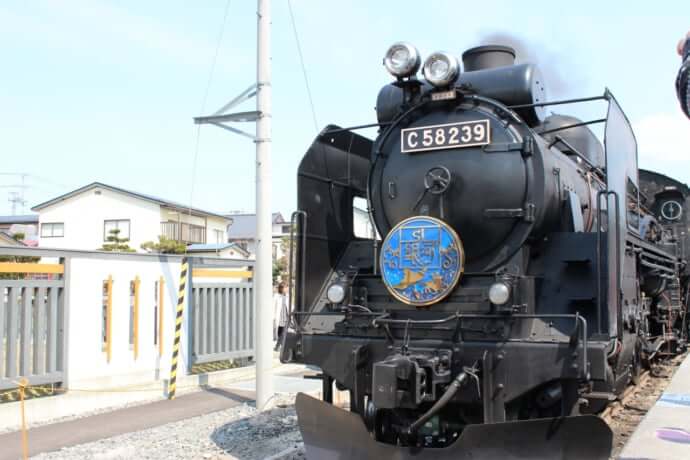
(628, 395)
(625, 414)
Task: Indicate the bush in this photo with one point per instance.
(165, 246)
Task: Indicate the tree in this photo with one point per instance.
(279, 270)
(164, 246)
(281, 264)
(19, 236)
(115, 243)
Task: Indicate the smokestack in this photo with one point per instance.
(487, 57)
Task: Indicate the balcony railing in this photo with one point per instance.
(186, 233)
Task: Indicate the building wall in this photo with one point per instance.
(248, 244)
(216, 227)
(87, 364)
(227, 253)
(169, 215)
(211, 223)
(83, 216)
(281, 229)
(361, 223)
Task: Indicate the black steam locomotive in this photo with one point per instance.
(522, 278)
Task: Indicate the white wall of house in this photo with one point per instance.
(362, 225)
(170, 215)
(216, 230)
(281, 229)
(84, 215)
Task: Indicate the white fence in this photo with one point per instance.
(119, 317)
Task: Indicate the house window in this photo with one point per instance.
(52, 230)
(218, 235)
(286, 229)
(110, 225)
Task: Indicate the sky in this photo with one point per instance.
(95, 90)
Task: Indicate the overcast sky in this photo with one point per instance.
(93, 90)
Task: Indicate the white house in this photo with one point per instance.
(83, 219)
(26, 224)
(224, 250)
(242, 231)
(7, 240)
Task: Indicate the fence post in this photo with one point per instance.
(189, 337)
(135, 320)
(60, 302)
(161, 296)
(184, 268)
(109, 319)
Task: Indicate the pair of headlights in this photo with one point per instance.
(440, 69)
(499, 293)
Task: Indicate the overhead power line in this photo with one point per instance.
(304, 68)
(197, 140)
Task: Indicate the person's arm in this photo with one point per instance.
(683, 79)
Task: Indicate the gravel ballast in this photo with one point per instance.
(236, 433)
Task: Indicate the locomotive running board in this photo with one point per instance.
(330, 433)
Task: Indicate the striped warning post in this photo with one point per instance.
(178, 327)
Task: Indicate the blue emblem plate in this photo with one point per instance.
(421, 260)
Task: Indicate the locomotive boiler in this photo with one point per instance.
(508, 286)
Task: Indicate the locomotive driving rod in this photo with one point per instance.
(447, 396)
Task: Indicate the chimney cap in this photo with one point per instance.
(487, 56)
(489, 48)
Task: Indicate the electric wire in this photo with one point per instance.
(304, 68)
(197, 139)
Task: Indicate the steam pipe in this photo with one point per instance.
(447, 396)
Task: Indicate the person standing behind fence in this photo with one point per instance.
(280, 313)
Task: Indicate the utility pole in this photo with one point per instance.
(263, 286)
(14, 199)
(17, 198)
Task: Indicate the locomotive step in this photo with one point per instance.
(601, 395)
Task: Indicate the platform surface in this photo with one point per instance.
(664, 433)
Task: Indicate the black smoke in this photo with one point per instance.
(553, 66)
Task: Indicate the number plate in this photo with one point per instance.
(446, 136)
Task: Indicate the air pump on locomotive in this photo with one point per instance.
(516, 282)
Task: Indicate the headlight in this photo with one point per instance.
(499, 293)
(441, 69)
(336, 293)
(402, 60)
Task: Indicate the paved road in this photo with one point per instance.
(55, 436)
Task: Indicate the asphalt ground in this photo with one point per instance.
(55, 436)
